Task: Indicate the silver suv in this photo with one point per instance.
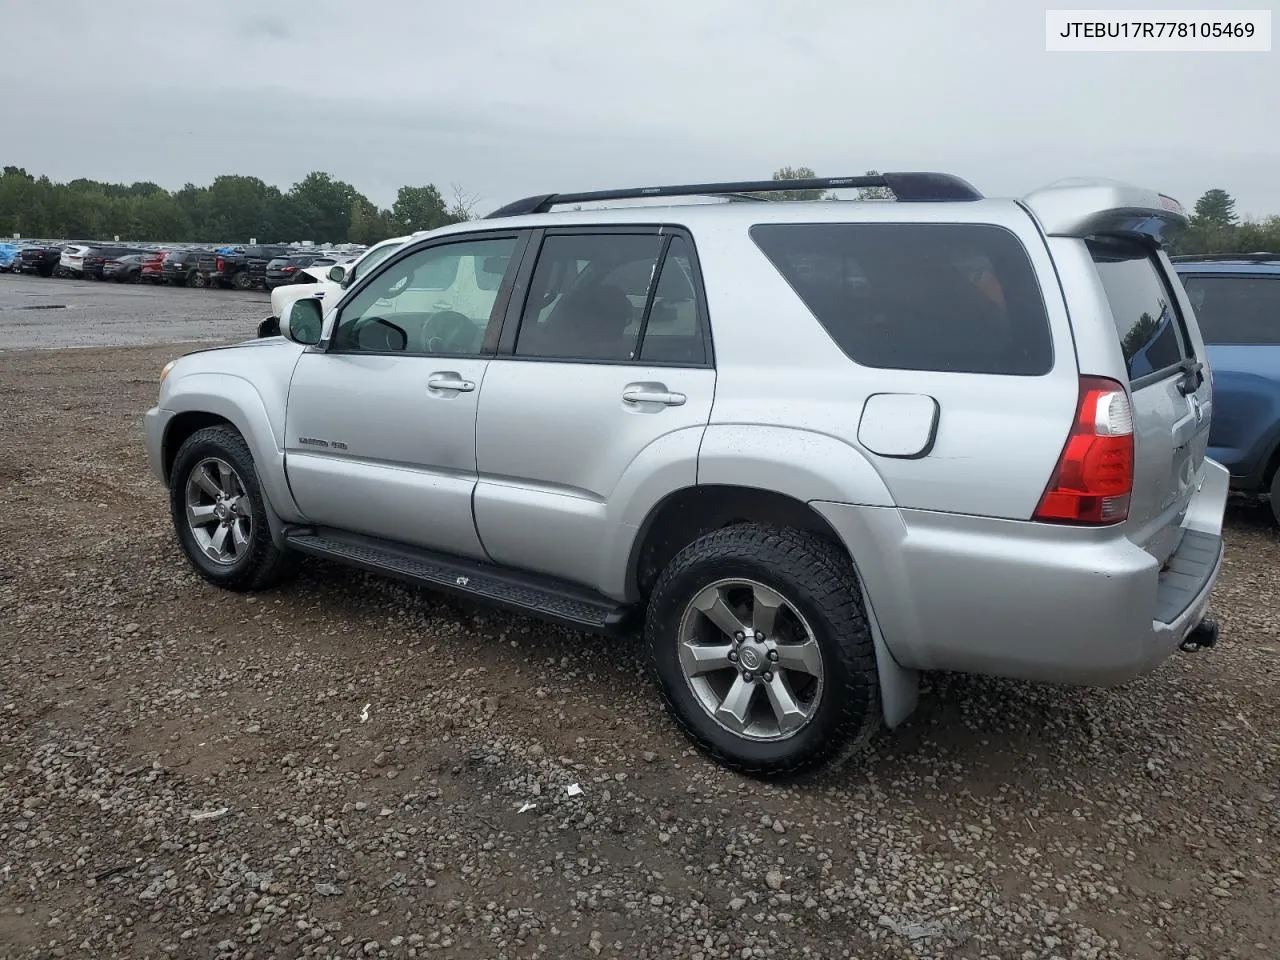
(811, 447)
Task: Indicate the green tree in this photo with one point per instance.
(325, 205)
(874, 193)
(420, 208)
(232, 208)
(795, 173)
(1216, 207)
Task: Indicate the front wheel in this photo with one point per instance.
(197, 280)
(242, 280)
(219, 513)
(758, 643)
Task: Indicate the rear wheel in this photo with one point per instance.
(197, 279)
(219, 513)
(758, 643)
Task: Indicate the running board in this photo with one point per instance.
(530, 594)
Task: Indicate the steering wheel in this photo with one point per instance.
(449, 332)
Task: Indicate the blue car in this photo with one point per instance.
(1236, 298)
(8, 253)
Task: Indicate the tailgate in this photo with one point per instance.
(1168, 387)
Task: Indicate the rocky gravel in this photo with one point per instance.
(348, 768)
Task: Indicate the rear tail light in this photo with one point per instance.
(288, 269)
(221, 264)
(1094, 477)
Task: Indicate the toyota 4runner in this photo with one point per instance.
(809, 447)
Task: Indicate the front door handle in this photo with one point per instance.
(647, 395)
(449, 381)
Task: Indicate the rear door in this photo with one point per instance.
(1169, 389)
(609, 364)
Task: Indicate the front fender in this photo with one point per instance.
(260, 421)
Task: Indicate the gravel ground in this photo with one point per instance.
(348, 768)
(45, 312)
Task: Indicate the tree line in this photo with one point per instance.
(237, 209)
(1216, 228)
(232, 209)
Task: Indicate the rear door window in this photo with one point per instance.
(1236, 309)
(955, 298)
(1148, 323)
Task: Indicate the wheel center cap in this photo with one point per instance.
(749, 658)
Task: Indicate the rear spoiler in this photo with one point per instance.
(1086, 207)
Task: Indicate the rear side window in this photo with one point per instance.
(1152, 337)
(955, 298)
(1236, 309)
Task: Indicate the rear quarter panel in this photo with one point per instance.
(998, 438)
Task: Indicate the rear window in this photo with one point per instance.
(1145, 312)
(955, 298)
(1236, 309)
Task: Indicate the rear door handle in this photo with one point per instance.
(665, 397)
(450, 381)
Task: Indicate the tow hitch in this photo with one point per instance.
(1204, 635)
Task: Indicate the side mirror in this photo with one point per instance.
(302, 321)
(338, 273)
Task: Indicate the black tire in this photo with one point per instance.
(1275, 496)
(197, 279)
(817, 579)
(262, 565)
(242, 280)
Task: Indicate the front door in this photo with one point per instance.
(607, 375)
(380, 426)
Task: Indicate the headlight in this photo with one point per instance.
(164, 371)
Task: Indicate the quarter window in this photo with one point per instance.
(431, 302)
(956, 298)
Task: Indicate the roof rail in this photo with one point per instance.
(909, 187)
(1259, 257)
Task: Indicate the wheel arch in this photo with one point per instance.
(210, 399)
(692, 512)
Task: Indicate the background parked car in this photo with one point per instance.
(151, 267)
(96, 259)
(126, 269)
(8, 253)
(182, 268)
(288, 269)
(1236, 298)
(39, 260)
(71, 260)
(332, 280)
(242, 270)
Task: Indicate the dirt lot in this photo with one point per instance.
(337, 768)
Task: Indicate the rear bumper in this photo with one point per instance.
(1028, 600)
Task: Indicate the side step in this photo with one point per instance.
(530, 594)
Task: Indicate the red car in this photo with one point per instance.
(153, 266)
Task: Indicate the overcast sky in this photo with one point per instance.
(511, 97)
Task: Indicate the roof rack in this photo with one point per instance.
(908, 187)
(1260, 257)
